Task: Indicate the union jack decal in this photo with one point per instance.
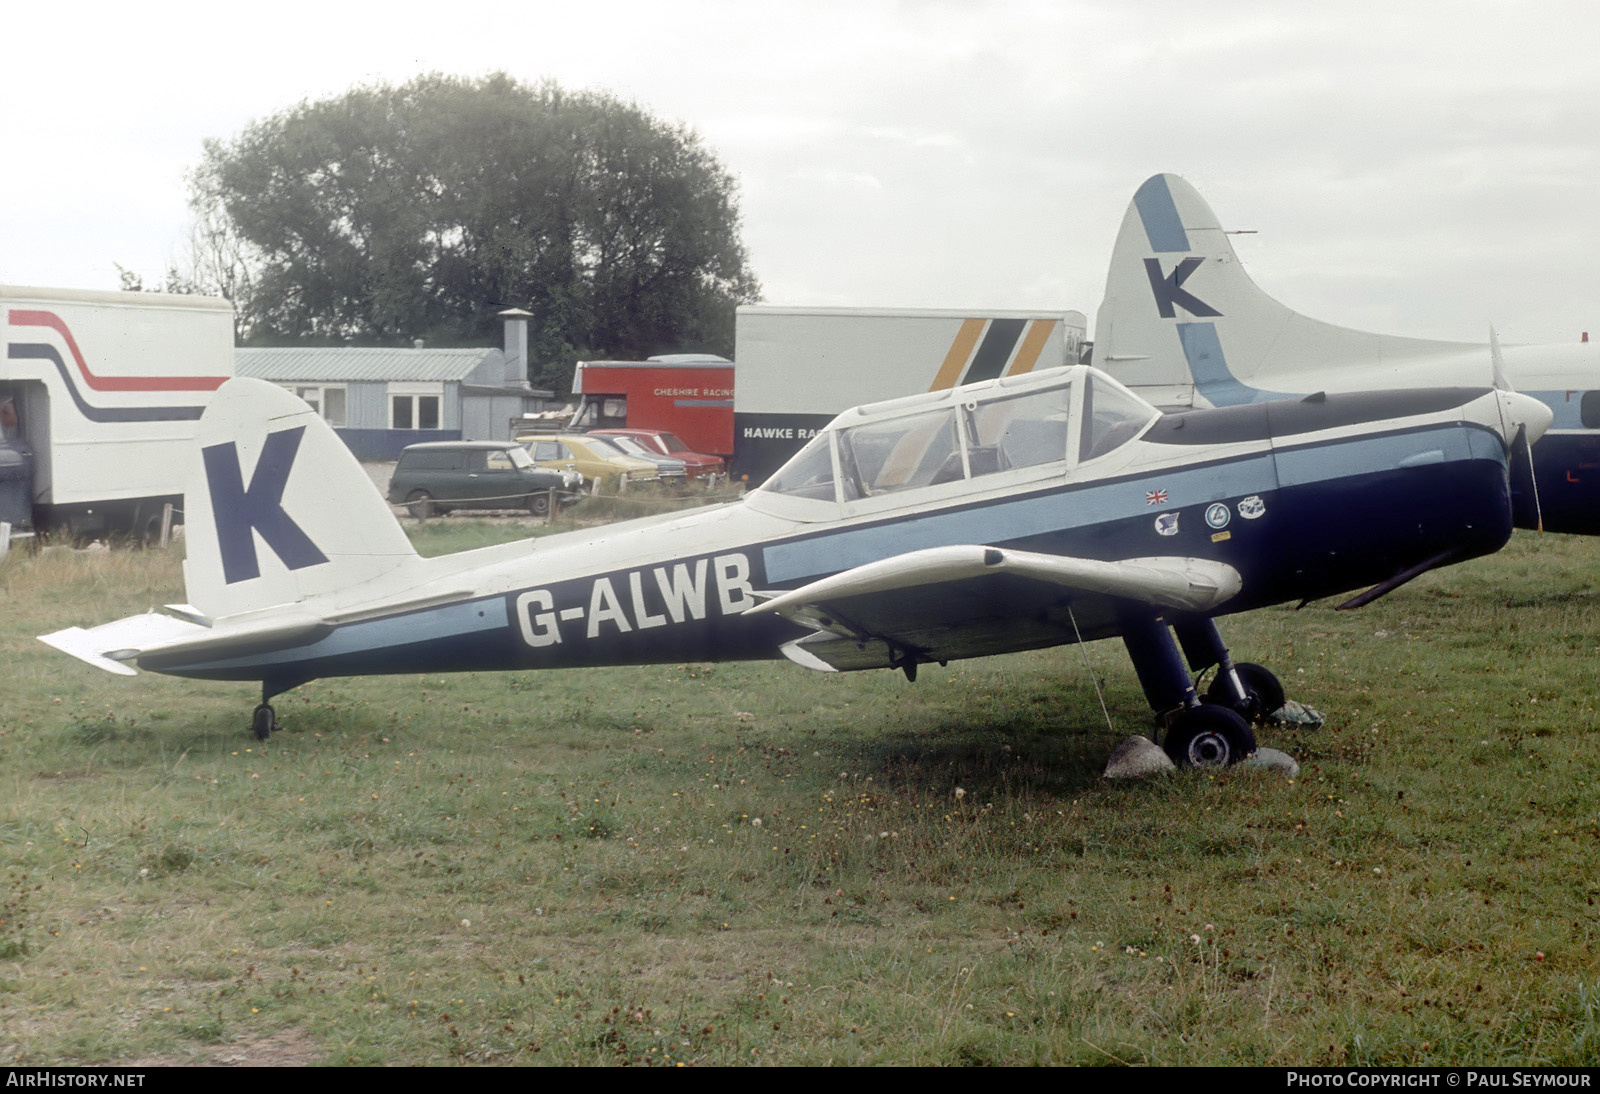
(1155, 497)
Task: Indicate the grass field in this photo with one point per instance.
(754, 864)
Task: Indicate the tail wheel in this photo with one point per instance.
(1209, 736)
(1263, 693)
(263, 720)
(419, 503)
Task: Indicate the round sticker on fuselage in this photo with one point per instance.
(1217, 515)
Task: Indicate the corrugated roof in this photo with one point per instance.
(337, 364)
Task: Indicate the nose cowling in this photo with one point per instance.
(1524, 420)
(1525, 413)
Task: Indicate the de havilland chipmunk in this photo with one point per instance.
(1184, 325)
(1013, 514)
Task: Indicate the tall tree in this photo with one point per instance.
(393, 213)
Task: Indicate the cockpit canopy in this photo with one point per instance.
(1052, 420)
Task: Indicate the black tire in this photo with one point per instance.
(1263, 693)
(263, 720)
(1209, 736)
(145, 531)
(419, 503)
(539, 504)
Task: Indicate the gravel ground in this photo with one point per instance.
(379, 473)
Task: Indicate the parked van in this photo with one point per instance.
(439, 476)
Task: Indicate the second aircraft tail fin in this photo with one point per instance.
(1183, 323)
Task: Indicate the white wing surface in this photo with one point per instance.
(947, 603)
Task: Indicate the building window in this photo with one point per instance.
(326, 400)
(415, 406)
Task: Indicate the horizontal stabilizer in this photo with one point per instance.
(215, 644)
(160, 642)
(110, 645)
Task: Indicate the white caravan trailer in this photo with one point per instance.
(99, 396)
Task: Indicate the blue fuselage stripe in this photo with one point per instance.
(1568, 410)
(1162, 224)
(450, 621)
(1208, 367)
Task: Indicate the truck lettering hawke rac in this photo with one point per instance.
(100, 393)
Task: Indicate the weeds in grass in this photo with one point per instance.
(14, 914)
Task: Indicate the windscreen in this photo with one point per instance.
(1111, 418)
(809, 472)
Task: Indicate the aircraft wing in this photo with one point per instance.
(947, 603)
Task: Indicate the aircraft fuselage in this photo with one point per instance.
(1303, 499)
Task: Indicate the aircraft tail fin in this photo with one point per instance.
(1183, 324)
(278, 511)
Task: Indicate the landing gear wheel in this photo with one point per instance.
(539, 504)
(1262, 690)
(1209, 736)
(147, 531)
(419, 503)
(263, 720)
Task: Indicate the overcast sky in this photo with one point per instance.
(1410, 166)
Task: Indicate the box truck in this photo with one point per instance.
(99, 396)
(690, 395)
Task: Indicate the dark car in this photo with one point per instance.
(443, 475)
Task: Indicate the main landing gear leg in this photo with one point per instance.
(1252, 691)
(1197, 734)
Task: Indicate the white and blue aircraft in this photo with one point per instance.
(1014, 514)
(1184, 325)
